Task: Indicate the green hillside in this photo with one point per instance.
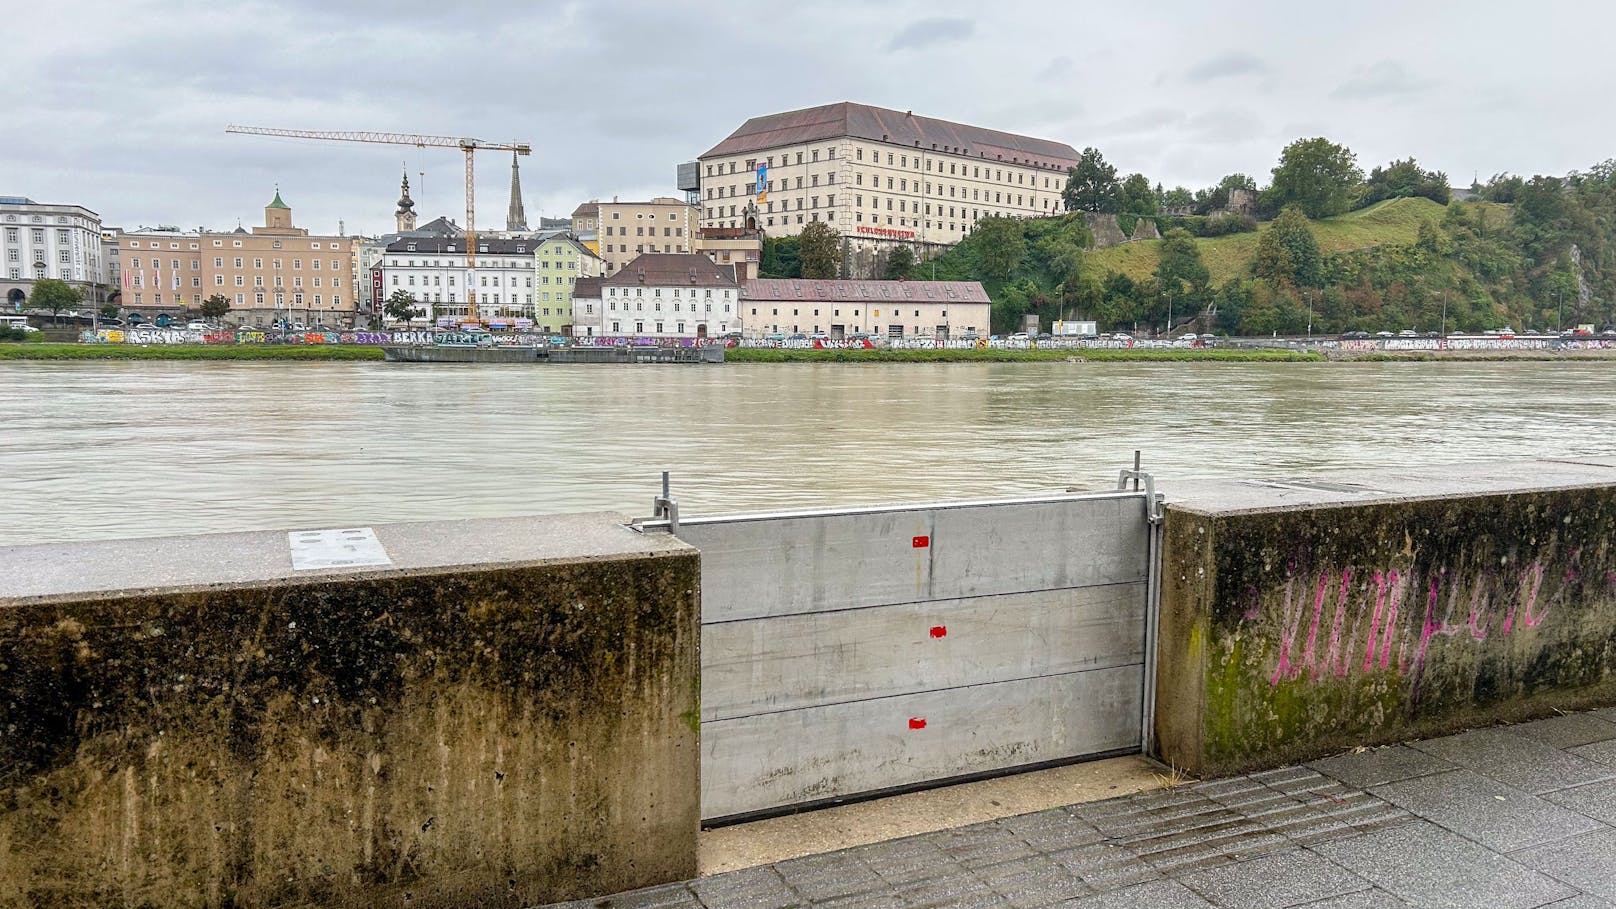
(1394, 221)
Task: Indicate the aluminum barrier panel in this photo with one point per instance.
(853, 651)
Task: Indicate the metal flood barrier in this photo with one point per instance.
(850, 652)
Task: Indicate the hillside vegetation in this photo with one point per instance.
(1394, 221)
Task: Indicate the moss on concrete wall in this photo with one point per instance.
(1289, 634)
(501, 737)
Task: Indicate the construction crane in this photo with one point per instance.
(469, 146)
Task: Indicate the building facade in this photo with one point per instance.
(277, 272)
(433, 271)
(559, 261)
(669, 296)
(587, 308)
(39, 240)
(628, 230)
(736, 247)
(878, 176)
(888, 309)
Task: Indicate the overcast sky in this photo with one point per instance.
(121, 105)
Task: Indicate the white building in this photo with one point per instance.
(433, 270)
(587, 308)
(50, 241)
(888, 309)
(669, 295)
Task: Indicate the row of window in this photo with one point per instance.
(297, 264)
(155, 244)
(60, 219)
(640, 231)
(241, 299)
(642, 248)
(707, 293)
(655, 307)
(678, 328)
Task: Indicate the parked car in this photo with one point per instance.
(198, 325)
(1019, 336)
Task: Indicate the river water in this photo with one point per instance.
(123, 449)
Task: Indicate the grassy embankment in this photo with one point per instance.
(1392, 221)
(772, 355)
(49, 351)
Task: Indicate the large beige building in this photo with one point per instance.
(275, 272)
(627, 230)
(878, 175)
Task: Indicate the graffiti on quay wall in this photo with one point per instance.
(1336, 623)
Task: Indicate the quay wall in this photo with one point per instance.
(1302, 618)
(504, 716)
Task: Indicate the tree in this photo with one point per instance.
(54, 295)
(1001, 244)
(1137, 196)
(1288, 252)
(400, 306)
(900, 264)
(215, 306)
(1403, 180)
(1317, 176)
(1091, 185)
(1181, 272)
(821, 249)
(781, 258)
(1216, 198)
(109, 310)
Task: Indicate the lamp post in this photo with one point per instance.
(1559, 309)
(1444, 314)
(1310, 301)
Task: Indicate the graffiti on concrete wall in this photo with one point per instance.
(1334, 623)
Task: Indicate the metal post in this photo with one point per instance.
(1310, 316)
(1444, 314)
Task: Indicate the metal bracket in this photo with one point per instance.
(1153, 502)
(664, 507)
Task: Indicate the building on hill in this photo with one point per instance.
(668, 295)
(40, 240)
(890, 309)
(878, 176)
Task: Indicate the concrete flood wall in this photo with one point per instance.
(504, 716)
(1304, 617)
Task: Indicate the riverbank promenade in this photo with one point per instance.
(1507, 817)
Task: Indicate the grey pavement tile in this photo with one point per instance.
(1582, 902)
(1425, 865)
(1377, 766)
(1587, 862)
(1567, 730)
(1289, 878)
(1604, 713)
(1105, 866)
(819, 878)
(1035, 883)
(753, 888)
(1152, 895)
(1598, 752)
(883, 900)
(1497, 816)
(664, 896)
(1595, 800)
(955, 894)
(1516, 760)
(1363, 899)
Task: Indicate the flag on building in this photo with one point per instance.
(763, 182)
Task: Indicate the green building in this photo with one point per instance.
(558, 262)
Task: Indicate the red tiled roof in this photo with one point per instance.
(586, 288)
(803, 290)
(671, 269)
(585, 209)
(878, 124)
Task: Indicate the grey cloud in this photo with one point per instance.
(930, 32)
(1146, 121)
(1055, 68)
(1224, 126)
(1386, 79)
(1228, 65)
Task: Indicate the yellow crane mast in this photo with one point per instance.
(469, 146)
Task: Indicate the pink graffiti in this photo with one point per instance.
(1398, 636)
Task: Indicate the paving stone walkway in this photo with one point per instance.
(1509, 817)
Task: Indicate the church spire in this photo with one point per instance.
(406, 207)
(515, 219)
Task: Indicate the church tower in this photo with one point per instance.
(406, 208)
(515, 218)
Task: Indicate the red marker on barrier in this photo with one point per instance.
(917, 722)
(939, 631)
(920, 542)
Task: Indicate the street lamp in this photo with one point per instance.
(1444, 313)
(1310, 302)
